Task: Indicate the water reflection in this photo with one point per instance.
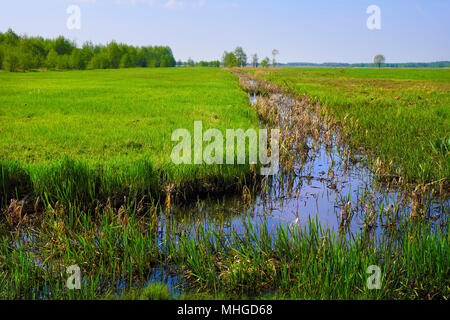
(325, 183)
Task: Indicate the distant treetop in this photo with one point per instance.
(378, 60)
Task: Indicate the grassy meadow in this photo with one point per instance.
(84, 135)
(74, 144)
(400, 116)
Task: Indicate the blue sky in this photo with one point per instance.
(312, 31)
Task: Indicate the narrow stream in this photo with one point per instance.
(323, 183)
(325, 186)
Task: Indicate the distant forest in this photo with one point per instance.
(22, 53)
(438, 64)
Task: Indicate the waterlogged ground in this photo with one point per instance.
(325, 184)
(321, 182)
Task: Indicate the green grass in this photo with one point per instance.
(83, 134)
(154, 291)
(396, 115)
(75, 137)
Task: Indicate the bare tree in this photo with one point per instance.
(275, 52)
(241, 57)
(255, 60)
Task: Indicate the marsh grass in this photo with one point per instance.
(118, 250)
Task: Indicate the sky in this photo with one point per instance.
(302, 31)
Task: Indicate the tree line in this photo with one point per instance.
(23, 53)
(192, 63)
(437, 64)
(238, 58)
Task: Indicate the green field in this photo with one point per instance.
(399, 116)
(76, 140)
(106, 131)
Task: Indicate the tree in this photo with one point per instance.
(153, 57)
(229, 60)
(241, 57)
(165, 56)
(26, 60)
(63, 46)
(99, 61)
(87, 52)
(26, 53)
(11, 37)
(265, 62)
(125, 61)
(275, 52)
(77, 60)
(52, 59)
(34, 52)
(1, 56)
(165, 61)
(170, 57)
(64, 62)
(190, 62)
(11, 59)
(114, 55)
(255, 60)
(132, 52)
(141, 59)
(378, 60)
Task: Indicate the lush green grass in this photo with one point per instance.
(85, 135)
(396, 115)
(101, 132)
